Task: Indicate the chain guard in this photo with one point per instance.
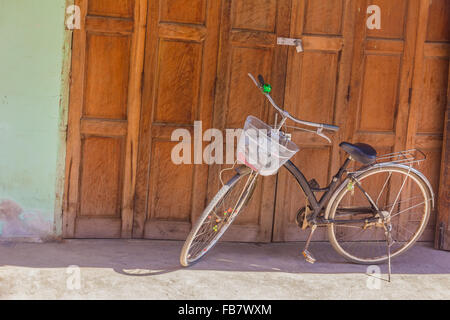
(301, 218)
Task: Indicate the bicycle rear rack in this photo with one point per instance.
(408, 157)
(411, 158)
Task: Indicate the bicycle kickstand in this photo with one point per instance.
(389, 243)
(308, 256)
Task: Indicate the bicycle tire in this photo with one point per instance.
(185, 258)
(342, 191)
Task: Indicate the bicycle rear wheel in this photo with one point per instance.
(218, 216)
(401, 194)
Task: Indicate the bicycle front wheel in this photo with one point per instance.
(218, 216)
(399, 193)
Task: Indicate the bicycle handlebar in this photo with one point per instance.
(286, 114)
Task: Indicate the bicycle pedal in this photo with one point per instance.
(308, 257)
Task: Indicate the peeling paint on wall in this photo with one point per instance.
(17, 222)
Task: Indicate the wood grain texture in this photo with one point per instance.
(442, 233)
(316, 89)
(393, 18)
(104, 117)
(438, 27)
(183, 11)
(248, 44)
(107, 73)
(178, 90)
(102, 170)
(116, 8)
(429, 98)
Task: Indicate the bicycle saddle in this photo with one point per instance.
(360, 152)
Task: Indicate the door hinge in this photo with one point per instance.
(410, 95)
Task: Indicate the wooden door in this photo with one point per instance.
(103, 119)
(249, 31)
(396, 93)
(179, 78)
(380, 90)
(428, 107)
(317, 83)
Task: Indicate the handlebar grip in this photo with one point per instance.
(261, 80)
(331, 127)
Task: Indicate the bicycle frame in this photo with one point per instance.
(318, 205)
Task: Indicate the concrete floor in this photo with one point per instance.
(135, 269)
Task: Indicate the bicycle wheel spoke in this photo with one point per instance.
(398, 195)
(404, 210)
(384, 186)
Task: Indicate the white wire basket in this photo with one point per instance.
(262, 148)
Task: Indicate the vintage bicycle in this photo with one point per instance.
(373, 213)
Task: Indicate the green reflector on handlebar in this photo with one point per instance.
(267, 88)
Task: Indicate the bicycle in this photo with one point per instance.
(363, 219)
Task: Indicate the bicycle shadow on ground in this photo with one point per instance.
(146, 258)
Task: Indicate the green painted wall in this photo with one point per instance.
(33, 52)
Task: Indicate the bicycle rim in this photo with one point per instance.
(217, 217)
(395, 190)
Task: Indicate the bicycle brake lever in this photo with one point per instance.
(254, 80)
(320, 134)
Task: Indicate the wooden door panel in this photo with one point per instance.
(181, 48)
(434, 95)
(437, 28)
(379, 94)
(254, 15)
(242, 96)
(317, 12)
(103, 119)
(101, 183)
(184, 11)
(393, 18)
(108, 8)
(314, 102)
(178, 81)
(316, 89)
(106, 69)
